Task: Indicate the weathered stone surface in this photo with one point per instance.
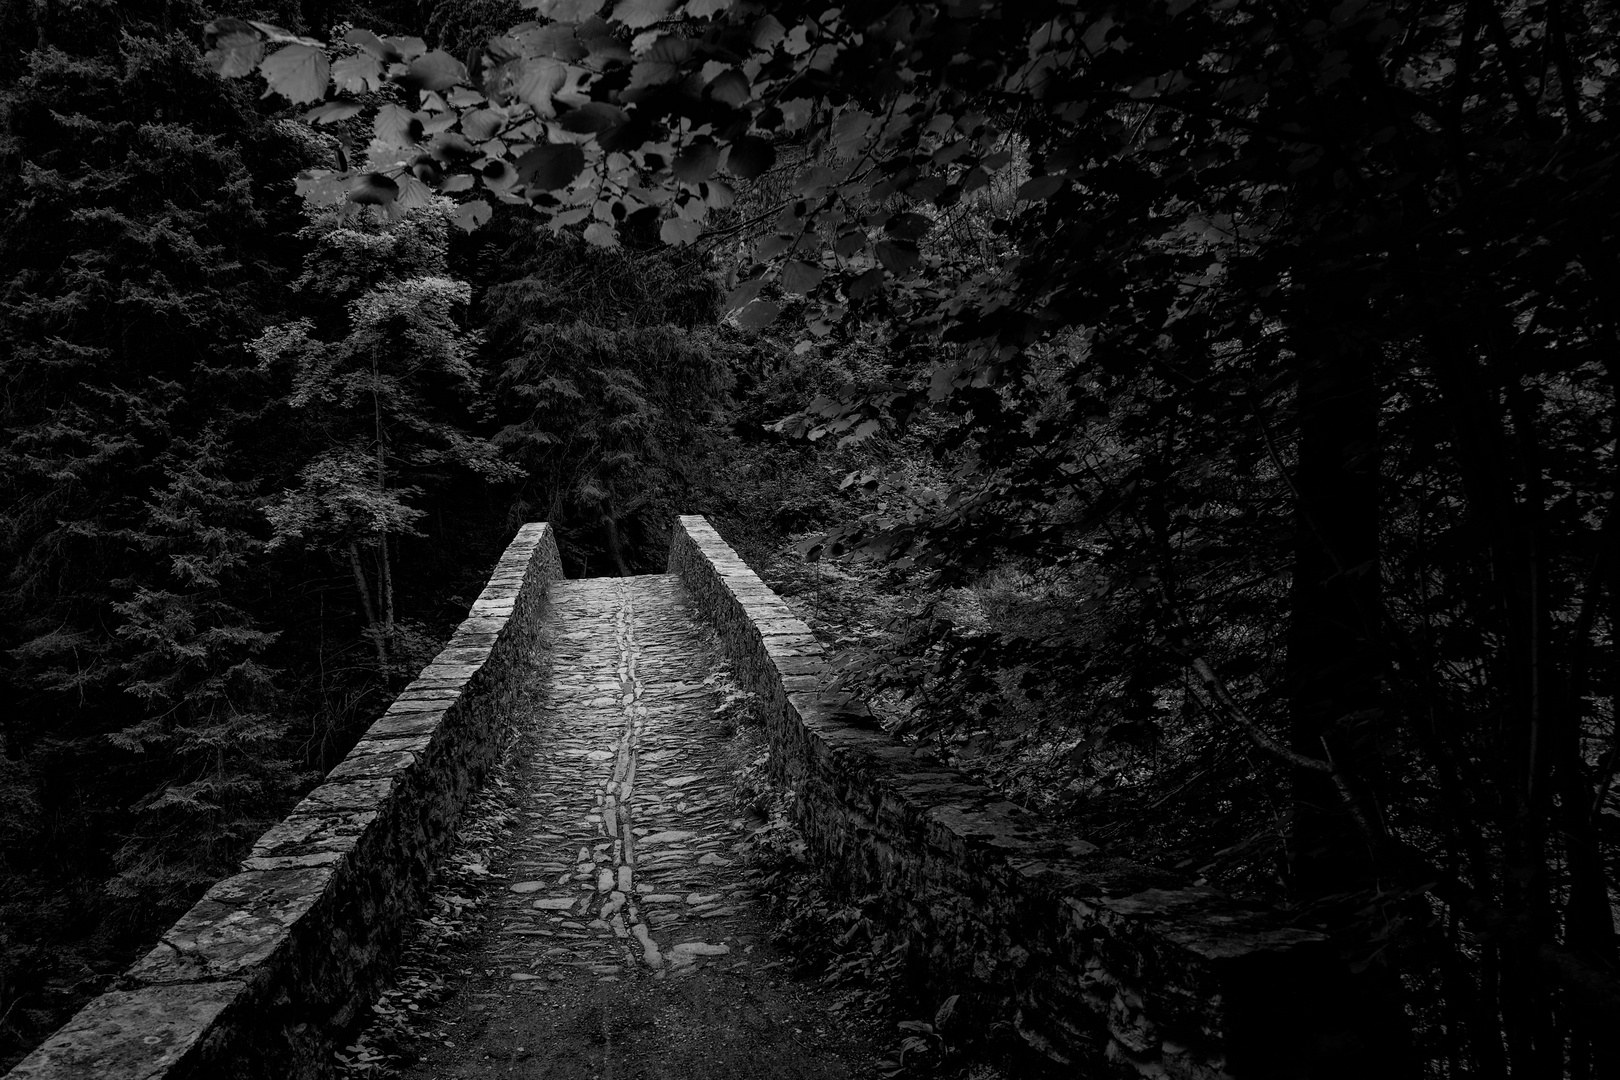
(255, 981)
(134, 1035)
(1118, 968)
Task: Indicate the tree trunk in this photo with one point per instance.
(368, 608)
(1334, 662)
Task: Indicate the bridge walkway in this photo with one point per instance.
(626, 941)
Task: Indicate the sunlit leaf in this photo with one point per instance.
(534, 81)
(703, 9)
(435, 71)
(413, 194)
(482, 124)
(637, 14)
(357, 73)
(602, 235)
(678, 232)
(397, 128)
(373, 45)
(298, 73)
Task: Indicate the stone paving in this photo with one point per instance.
(624, 881)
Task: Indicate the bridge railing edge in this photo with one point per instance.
(1094, 959)
(256, 979)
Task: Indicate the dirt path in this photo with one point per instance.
(627, 941)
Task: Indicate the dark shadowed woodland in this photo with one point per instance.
(1196, 420)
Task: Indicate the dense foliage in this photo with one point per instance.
(1228, 389)
(1284, 374)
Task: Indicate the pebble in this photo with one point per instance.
(527, 886)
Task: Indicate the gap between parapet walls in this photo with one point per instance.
(1099, 963)
(254, 982)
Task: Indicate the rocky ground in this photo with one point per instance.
(609, 928)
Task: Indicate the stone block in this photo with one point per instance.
(143, 1034)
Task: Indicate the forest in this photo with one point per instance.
(1196, 420)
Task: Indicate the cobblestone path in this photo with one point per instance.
(626, 942)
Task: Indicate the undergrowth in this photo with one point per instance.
(836, 942)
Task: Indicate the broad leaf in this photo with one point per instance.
(358, 73)
(801, 277)
(638, 14)
(234, 47)
(759, 314)
(435, 71)
(602, 235)
(536, 80)
(481, 124)
(550, 166)
(413, 194)
(678, 232)
(373, 45)
(397, 128)
(744, 293)
(298, 73)
(697, 161)
(703, 9)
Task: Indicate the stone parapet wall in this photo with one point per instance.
(255, 981)
(1108, 966)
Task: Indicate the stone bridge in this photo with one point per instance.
(1104, 966)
